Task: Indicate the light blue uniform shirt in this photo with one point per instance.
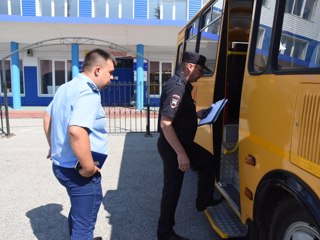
(76, 103)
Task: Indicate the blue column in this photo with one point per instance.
(75, 60)
(140, 82)
(15, 76)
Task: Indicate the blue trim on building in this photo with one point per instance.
(31, 97)
(85, 8)
(140, 9)
(84, 20)
(28, 7)
(194, 7)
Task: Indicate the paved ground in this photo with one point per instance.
(34, 206)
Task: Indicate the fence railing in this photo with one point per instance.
(119, 103)
(4, 113)
(123, 115)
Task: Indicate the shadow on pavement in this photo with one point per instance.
(48, 223)
(134, 206)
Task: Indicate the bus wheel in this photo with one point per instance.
(293, 222)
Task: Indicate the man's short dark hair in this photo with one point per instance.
(93, 57)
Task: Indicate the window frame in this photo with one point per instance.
(22, 79)
(294, 6)
(272, 61)
(53, 84)
(199, 25)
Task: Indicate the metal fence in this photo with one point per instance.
(119, 103)
(4, 113)
(123, 115)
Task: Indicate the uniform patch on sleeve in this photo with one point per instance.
(174, 102)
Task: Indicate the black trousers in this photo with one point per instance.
(202, 161)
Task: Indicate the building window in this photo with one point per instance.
(154, 9)
(113, 9)
(160, 72)
(180, 10)
(15, 7)
(4, 8)
(293, 47)
(127, 9)
(296, 49)
(100, 8)
(301, 8)
(45, 6)
(317, 56)
(263, 38)
(261, 34)
(72, 10)
(167, 9)
(7, 68)
(53, 74)
(59, 9)
(292, 53)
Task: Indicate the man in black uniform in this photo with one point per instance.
(177, 126)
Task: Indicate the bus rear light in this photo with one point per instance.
(248, 193)
(250, 160)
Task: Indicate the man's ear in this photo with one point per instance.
(96, 71)
(190, 66)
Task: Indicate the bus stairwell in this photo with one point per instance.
(225, 217)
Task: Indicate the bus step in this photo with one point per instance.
(225, 222)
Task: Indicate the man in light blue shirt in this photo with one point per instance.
(75, 127)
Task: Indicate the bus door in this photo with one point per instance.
(230, 73)
(220, 31)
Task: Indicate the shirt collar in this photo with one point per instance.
(90, 83)
(181, 76)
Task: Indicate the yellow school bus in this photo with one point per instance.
(264, 57)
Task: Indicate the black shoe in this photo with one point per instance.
(174, 236)
(97, 238)
(211, 203)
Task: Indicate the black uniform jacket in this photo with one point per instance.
(176, 103)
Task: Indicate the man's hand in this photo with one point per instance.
(49, 153)
(89, 172)
(203, 112)
(183, 162)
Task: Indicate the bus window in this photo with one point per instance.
(191, 36)
(210, 32)
(299, 43)
(179, 55)
(263, 36)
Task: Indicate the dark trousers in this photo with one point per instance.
(202, 161)
(85, 196)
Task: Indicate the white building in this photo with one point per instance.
(52, 34)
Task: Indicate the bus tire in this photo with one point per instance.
(293, 221)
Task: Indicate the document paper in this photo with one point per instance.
(214, 112)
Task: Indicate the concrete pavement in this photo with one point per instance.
(33, 205)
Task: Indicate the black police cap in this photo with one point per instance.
(196, 58)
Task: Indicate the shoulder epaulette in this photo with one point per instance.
(93, 87)
(179, 82)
